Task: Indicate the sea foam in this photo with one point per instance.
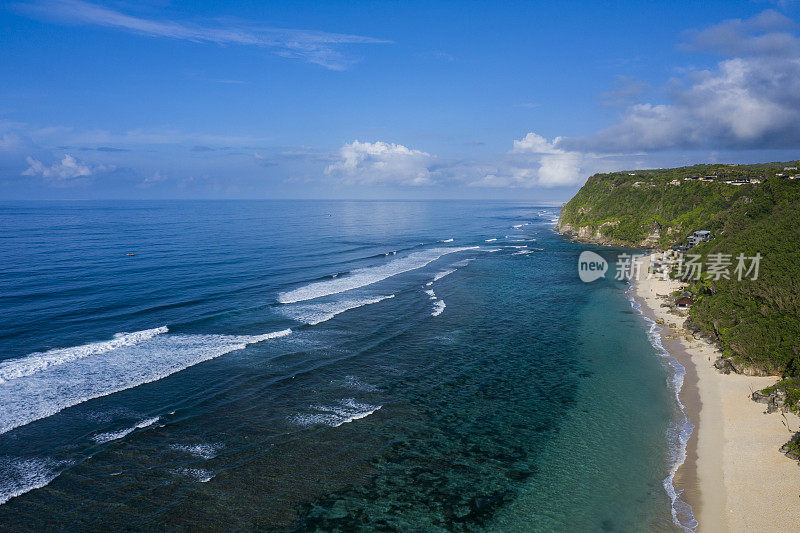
(345, 411)
(36, 362)
(116, 435)
(197, 474)
(316, 313)
(203, 451)
(367, 276)
(56, 387)
(679, 431)
(443, 273)
(18, 476)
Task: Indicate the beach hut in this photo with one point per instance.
(683, 302)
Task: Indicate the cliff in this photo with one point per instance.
(756, 323)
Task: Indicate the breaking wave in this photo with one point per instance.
(313, 314)
(367, 276)
(18, 476)
(115, 435)
(202, 451)
(345, 411)
(680, 430)
(443, 273)
(52, 388)
(36, 362)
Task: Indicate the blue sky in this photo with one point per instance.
(519, 100)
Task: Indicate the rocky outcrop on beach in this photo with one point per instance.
(792, 448)
(775, 400)
(725, 365)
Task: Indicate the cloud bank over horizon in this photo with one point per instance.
(67, 172)
(372, 163)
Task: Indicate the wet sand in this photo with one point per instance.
(734, 477)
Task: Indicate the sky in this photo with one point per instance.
(160, 99)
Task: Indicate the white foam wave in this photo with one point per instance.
(490, 240)
(203, 451)
(443, 273)
(431, 294)
(518, 226)
(114, 435)
(367, 276)
(18, 476)
(313, 314)
(57, 387)
(438, 307)
(447, 240)
(345, 411)
(680, 430)
(197, 474)
(38, 361)
(493, 250)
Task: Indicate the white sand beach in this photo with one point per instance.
(734, 476)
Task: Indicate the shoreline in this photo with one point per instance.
(733, 475)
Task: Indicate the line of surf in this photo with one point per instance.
(443, 273)
(18, 476)
(680, 430)
(316, 313)
(116, 435)
(54, 388)
(345, 411)
(367, 276)
(38, 361)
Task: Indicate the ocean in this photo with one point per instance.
(323, 365)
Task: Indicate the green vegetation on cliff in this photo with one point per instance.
(755, 322)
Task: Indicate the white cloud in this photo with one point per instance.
(562, 169)
(751, 101)
(316, 47)
(544, 164)
(368, 163)
(534, 143)
(533, 161)
(536, 162)
(68, 171)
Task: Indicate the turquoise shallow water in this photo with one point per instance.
(320, 365)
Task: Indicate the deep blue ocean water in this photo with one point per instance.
(315, 365)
